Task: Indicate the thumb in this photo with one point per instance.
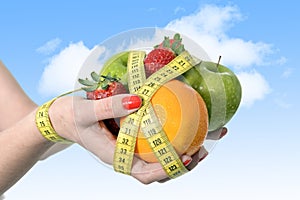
(116, 106)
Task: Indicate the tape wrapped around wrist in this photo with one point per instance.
(44, 125)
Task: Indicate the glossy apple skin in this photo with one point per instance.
(220, 89)
(116, 67)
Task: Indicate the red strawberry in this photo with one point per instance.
(162, 54)
(111, 89)
(156, 59)
(101, 87)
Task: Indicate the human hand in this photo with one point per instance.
(202, 153)
(79, 120)
(192, 161)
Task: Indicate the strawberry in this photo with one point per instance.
(156, 59)
(101, 87)
(162, 54)
(111, 89)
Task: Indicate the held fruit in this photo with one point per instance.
(162, 54)
(182, 113)
(157, 59)
(116, 67)
(220, 89)
(101, 87)
(184, 118)
(203, 99)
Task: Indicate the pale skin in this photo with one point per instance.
(73, 118)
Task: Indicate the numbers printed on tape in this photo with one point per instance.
(146, 118)
(126, 140)
(44, 125)
(160, 145)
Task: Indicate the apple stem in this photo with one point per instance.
(219, 61)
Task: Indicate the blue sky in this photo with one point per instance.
(258, 159)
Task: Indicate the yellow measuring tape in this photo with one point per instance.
(44, 125)
(145, 118)
(43, 122)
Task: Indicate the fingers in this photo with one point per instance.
(116, 106)
(202, 153)
(151, 174)
(197, 157)
(91, 111)
(217, 134)
(147, 173)
(186, 160)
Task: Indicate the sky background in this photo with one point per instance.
(45, 43)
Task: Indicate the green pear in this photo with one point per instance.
(220, 89)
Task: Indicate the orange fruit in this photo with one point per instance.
(183, 115)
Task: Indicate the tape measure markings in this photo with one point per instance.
(44, 125)
(160, 144)
(150, 125)
(126, 140)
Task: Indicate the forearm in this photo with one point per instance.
(21, 146)
(14, 103)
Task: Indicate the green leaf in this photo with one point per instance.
(86, 82)
(180, 49)
(166, 42)
(91, 88)
(95, 76)
(177, 36)
(104, 86)
(175, 45)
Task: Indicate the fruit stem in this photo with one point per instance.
(219, 61)
(112, 79)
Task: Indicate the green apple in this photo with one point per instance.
(116, 67)
(220, 89)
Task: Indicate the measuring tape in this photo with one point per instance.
(43, 122)
(44, 125)
(145, 118)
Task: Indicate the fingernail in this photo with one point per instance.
(223, 133)
(187, 162)
(204, 156)
(131, 102)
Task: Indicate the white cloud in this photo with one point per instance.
(208, 27)
(60, 74)
(49, 47)
(282, 60)
(254, 87)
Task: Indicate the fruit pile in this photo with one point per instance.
(202, 99)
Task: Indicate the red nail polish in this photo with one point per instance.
(187, 162)
(131, 102)
(204, 156)
(223, 133)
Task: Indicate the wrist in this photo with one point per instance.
(34, 134)
(45, 124)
